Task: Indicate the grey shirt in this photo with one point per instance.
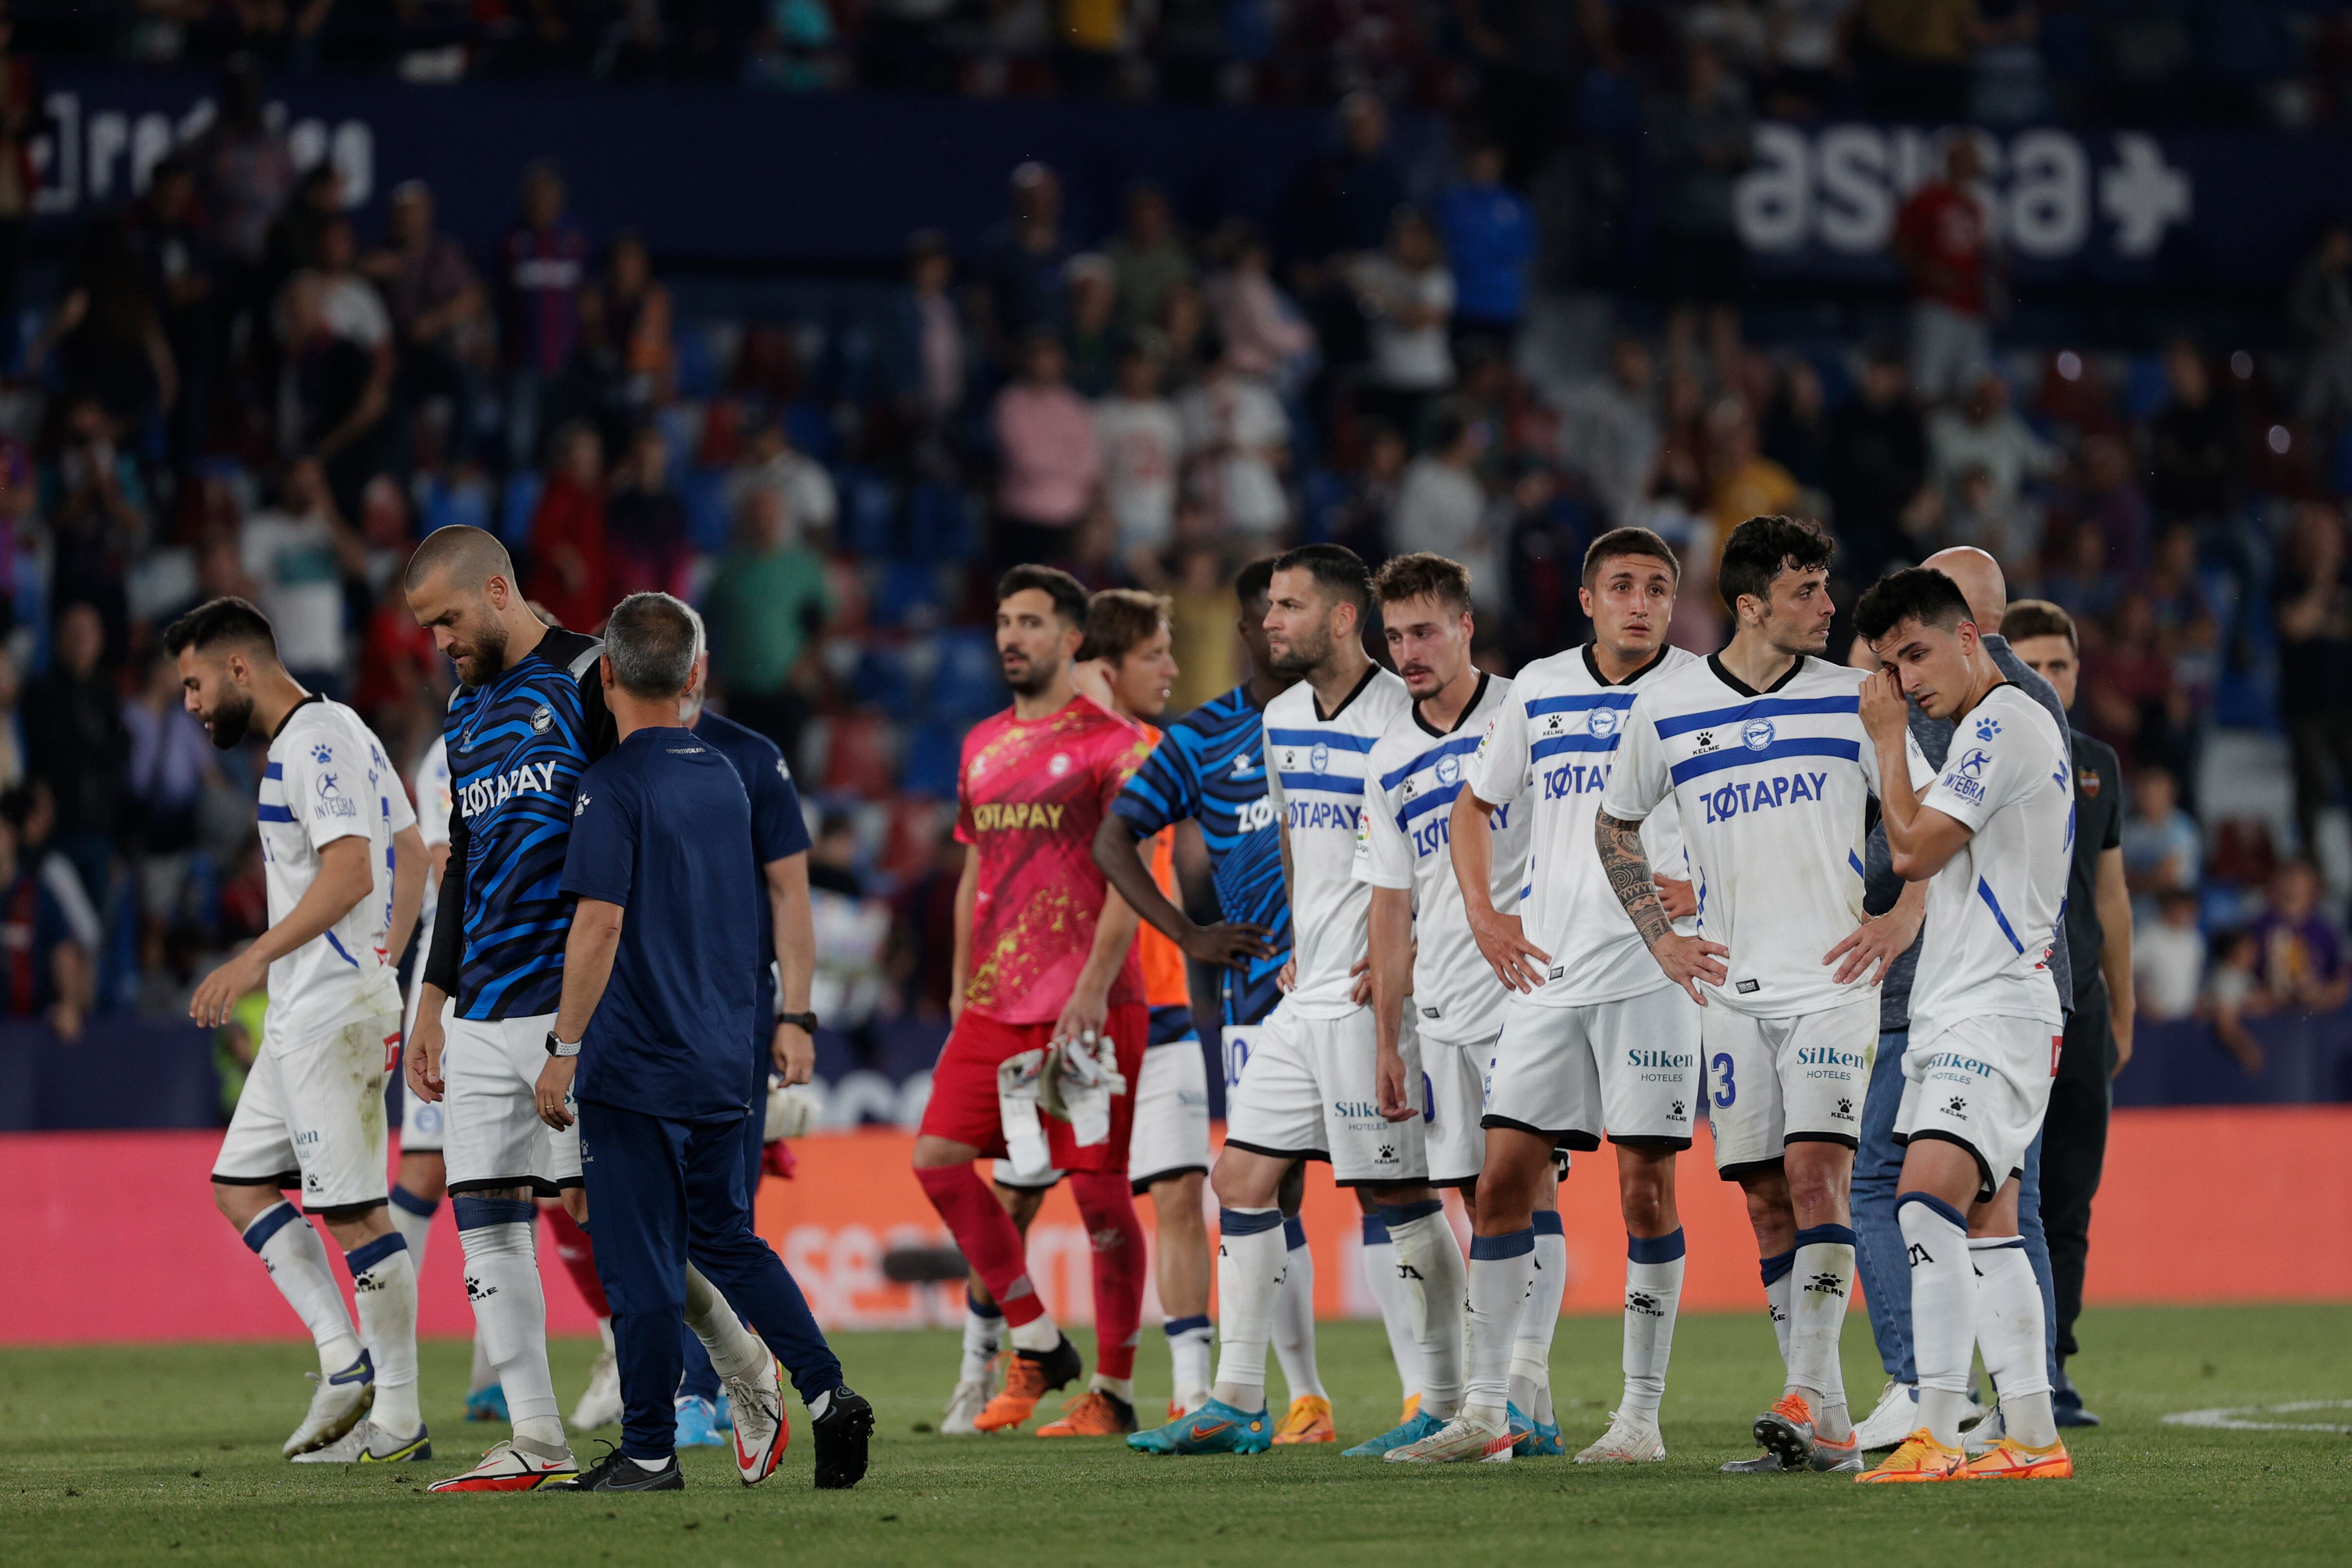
(1881, 886)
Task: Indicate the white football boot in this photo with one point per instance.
(1459, 1441)
(599, 1406)
(336, 1407)
(1893, 1418)
(1630, 1440)
(964, 1406)
(761, 1428)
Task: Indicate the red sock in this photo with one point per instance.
(985, 1232)
(1109, 1209)
(579, 1256)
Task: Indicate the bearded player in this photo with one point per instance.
(1046, 983)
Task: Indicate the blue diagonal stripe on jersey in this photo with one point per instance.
(1336, 739)
(1763, 707)
(1579, 703)
(1556, 744)
(270, 813)
(275, 770)
(1457, 747)
(1329, 783)
(340, 951)
(1741, 757)
(1423, 805)
(1984, 891)
(1855, 861)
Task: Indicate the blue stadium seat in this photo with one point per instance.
(516, 506)
(934, 754)
(809, 424)
(698, 360)
(868, 524)
(909, 595)
(882, 680)
(969, 684)
(940, 526)
(702, 492)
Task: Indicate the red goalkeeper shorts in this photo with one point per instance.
(964, 1108)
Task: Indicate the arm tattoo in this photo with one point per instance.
(1620, 843)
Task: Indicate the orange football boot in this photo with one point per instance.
(2011, 1460)
(1094, 1414)
(1920, 1458)
(1308, 1420)
(1029, 1377)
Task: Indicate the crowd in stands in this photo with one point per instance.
(239, 389)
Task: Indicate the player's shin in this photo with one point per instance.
(1379, 1260)
(1654, 1288)
(983, 1337)
(1429, 1263)
(735, 1351)
(1774, 1270)
(413, 1216)
(1943, 1311)
(290, 1248)
(1822, 1283)
(1108, 1207)
(1540, 1320)
(499, 1235)
(384, 1283)
(1502, 1276)
(2008, 1325)
(1250, 1256)
(993, 1247)
(1294, 1315)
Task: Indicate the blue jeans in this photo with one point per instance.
(1883, 1259)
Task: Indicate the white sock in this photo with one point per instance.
(413, 1216)
(1122, 1387)
(1429, 1264)
(482, 1374)
(1294, 1315)
(1250, 1257)
(1396, 1309)
(1823, 1282)
(384, 1283)
(1653, 1290)
(1943, 1311)
(1040, 1333)
(290, 1248)
(734, 1351)
(1502, 1277)
(1775, 1271)
(983, 1337)
(1538, 1320)
(2010, 1330)
(652, 1467)
(499, 1235)
(1188, 1357)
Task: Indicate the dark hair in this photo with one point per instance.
(1254, 580)
(1424, 575)
(1761, 548)
(1068, 595)
(219, 621)
(652, 640)
(1918, 593)
(1117, 619)
(1619, 542)
(1339, 571)
(2038, 618)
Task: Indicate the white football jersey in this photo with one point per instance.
(1774, 790)
(1548, 753)
(1316, 773)
(433, 797)
(327, 779)
(1408, 813)
(1993, 908)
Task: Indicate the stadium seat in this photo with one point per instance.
(934, 754)
(881, 680)
(857, 757)
(701, 492)
(868, 524)
(909, 596)
(940, 526)
(969, 683)
(520, 499)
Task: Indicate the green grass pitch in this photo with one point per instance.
(169, 1456)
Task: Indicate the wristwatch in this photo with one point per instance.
(805, 1020)
(561, 1048)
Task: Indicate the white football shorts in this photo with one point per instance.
(1984, 1085)
(311, 1116)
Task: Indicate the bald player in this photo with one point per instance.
(1880, 1251)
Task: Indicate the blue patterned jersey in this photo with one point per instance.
(1211, 765)
(516, 749)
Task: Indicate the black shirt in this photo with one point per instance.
(2098, 827)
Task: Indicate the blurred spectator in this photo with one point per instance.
(1795, 431)
(1945, 245)
(2320, 306)
(1018, 286)
(12, 724)
(22, 113)
(1049, 464)
(1363, 521)
(296, 234)
(922, 941)
(645, 524)
(1805, 48)
(2133, 700)
(570, 574)
(766, 602)
(770, 462)
(2233, 991)
(626, 318)
(297, 555)
(1490, 238)
(2163, 851)
(1202, 622)
(1343, 202)
(2191, 445)
(1092, 287)
(166, 235)
(1974, 514)
(438, 310)
(1877, 461)
(1147, 259)
(74, 736)
(1984, 431)
(1442, 507)
(929, 362)
(336, 386)
(1915, 56)
(2168, 958)
(96, 505)
(108, 333)
(2107, 500)
(1699, 142)
(1262, 333)
(1609, 429)
(2311, 605)
(542, 274)
(1406, 293)
(169, 757)
(853, 931)
(244, 174)
(1743, 482)
(1142, 446)
(1236, 448)
(44, 972)
(2298, 948)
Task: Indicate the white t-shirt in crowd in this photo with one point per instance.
(1243, 418)
(1409, 359)
(1142, 444)
(292, 563)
